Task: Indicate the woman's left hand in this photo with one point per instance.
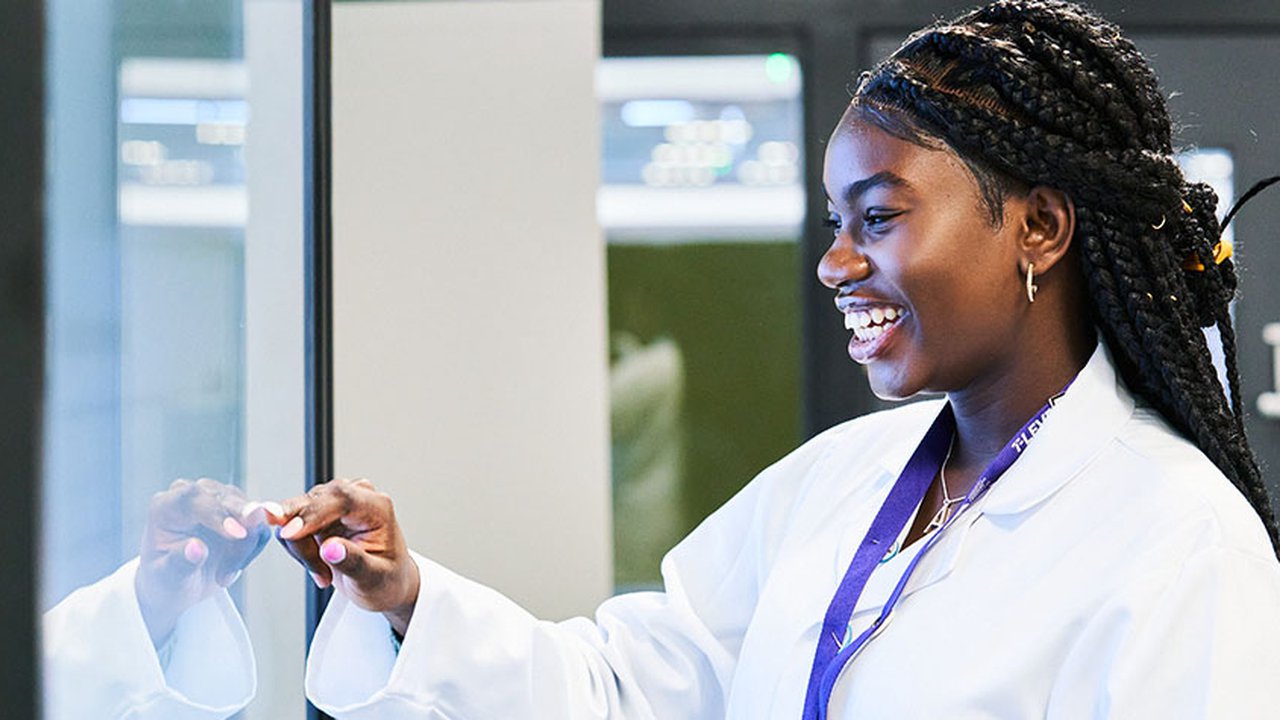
(345, 533)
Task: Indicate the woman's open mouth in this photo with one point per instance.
(872, 327)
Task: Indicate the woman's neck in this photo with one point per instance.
(993, 408)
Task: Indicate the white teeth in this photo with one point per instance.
(868, 334)
(867, 325)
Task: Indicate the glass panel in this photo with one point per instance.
(702, 203)
(175, 351)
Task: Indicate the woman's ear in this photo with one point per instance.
(1048, 222)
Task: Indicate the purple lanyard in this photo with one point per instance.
(833, 653)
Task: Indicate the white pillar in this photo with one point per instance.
(469, 292)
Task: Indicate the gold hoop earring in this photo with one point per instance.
(1031, 286)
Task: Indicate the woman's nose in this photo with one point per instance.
(842, 263)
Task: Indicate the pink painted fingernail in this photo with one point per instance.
(333, 552)
(234, 529)
(292, 528)
(194, 551)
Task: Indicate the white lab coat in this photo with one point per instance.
(99, 661)
(1112, 573)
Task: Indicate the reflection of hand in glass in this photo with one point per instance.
(345, 532)
(198, 539)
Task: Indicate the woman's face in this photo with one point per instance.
(929, 288)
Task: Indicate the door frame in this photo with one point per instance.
(21, 345)
(318, 233)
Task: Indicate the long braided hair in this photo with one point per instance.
(1031, 92)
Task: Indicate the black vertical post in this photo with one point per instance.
(319, 308)
(21, 345)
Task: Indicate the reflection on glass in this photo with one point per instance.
(159, 637)
(200, 536)
(175, 350)
(702, 203)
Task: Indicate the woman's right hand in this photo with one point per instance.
(345, 533)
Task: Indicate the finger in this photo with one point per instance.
(322, 506)
(168, 507)
(216, 487)
(178, 563)
(253, 515)
(233, 503)
(195, 552)
(207, 510)
(267, 511)
(234, 529)
(237, 556)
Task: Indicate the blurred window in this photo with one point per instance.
(702, 202)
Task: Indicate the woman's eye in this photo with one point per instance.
(832, 221)
(874, 220)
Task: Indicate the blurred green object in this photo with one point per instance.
(706, 384)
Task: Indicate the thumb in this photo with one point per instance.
(345, 557)
(175, 564)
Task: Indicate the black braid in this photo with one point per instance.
(1047, 92)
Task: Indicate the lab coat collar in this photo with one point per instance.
(1083, 421)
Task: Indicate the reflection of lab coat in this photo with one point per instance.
(99, 661)
(1113, 572)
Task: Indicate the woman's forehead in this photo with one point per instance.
(861, 156)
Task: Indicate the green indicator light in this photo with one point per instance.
(779, 67)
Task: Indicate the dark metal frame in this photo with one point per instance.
(21, 345)
(834, 38)
(317, 23)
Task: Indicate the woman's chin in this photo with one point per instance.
(889, 385)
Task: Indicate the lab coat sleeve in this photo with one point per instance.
(99, 662)
(471, 654)
(1197, 640)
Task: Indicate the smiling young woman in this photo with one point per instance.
(934, 289)
(1078, 530)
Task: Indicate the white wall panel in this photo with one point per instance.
(469, 308)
